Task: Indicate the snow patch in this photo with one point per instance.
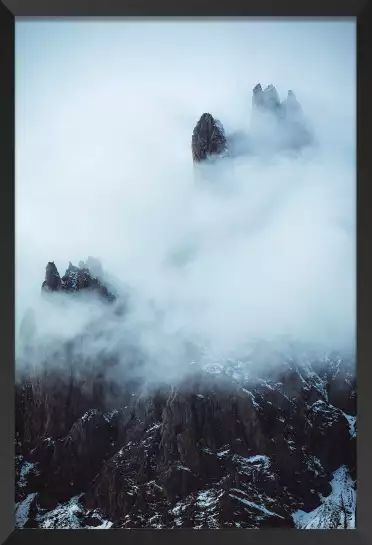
(256, 506)
(352, 424)
(156, 426)
(255, 404)
(23, 510)
(106, 524)
(223, 453)
(207, 498)
(265, 460)
(25, 470)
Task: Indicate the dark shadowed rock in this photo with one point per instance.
(209, 452)
(52, 280)
(329, 432)
(78, 458)
(208, 139)
(341, 385)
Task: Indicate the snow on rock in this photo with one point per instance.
(265, 460)
(314, 465)
(22, 510)
(106, 524)
(223, 453)
(247, 464)
(63, 516)
(352, 424)
(255, 506)
(26, 468)
(207, 498)
(337, 510)
(72, 515)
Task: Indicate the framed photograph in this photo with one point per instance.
(189, 353)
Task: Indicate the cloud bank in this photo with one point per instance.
(104, 117)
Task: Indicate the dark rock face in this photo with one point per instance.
(52, 280)
(208, 139)
(341, 388)
(80, 455)
(220, 449)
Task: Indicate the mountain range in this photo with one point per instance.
(260, 441)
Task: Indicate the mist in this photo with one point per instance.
(104, 116)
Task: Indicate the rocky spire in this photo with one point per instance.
(208, 139)
(291, 106)
(52, 280)
(258, 96)
(267, 99)
(272, 101)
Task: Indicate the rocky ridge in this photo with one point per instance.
(75, 280)
(232, 445)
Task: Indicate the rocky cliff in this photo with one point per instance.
(231, 445)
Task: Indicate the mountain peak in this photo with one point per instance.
(208, 138)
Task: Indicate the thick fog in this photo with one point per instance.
(104, 116)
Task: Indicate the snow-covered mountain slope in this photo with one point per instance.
(337, 510)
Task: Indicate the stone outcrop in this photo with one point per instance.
(208, 139)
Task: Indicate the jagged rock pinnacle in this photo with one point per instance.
(267, 99)
(75, 279)
(52, 280)
(282, 124)
(208, 138)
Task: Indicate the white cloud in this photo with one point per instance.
(105, 113)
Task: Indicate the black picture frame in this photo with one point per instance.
(11, 9)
